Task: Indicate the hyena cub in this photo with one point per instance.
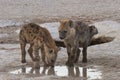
(75, 34)
(38, 38)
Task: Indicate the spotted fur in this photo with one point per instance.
(38, 38)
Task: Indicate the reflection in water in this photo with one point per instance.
(62, 71)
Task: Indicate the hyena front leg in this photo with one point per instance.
(43, 56)
(73, 56)
(23, 52)
(71, 71)
(84, 52)
(36, 57)
(77, 55)
(68, 52)
(75, 51)
(30, 51)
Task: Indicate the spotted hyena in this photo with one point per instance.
(38, 38)
(75, 34)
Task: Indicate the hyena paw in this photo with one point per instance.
(23, 61)
(84, 60)
(76, 61)
(69, 64)
(36, 65)
(46, 65)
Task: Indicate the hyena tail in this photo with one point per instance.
(101, 40)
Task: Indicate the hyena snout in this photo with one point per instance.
(52, 62)
(62, 34)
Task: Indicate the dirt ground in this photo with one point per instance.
(105, 56)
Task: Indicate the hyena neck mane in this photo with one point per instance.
(48, 40)
(71, 35)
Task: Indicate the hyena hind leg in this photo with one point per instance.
(23, 52)
(84, 52)
(30, 51)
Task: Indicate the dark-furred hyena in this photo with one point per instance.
(75, 34)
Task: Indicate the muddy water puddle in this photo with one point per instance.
(61, 71)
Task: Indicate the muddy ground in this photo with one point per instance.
(104, 58)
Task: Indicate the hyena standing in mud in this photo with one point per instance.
(75, 34)
(39, 38)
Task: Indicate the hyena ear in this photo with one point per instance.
(70, 23)
(93, 29)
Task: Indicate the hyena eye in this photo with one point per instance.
(59, 31)
(51, 51)
(64, 31)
